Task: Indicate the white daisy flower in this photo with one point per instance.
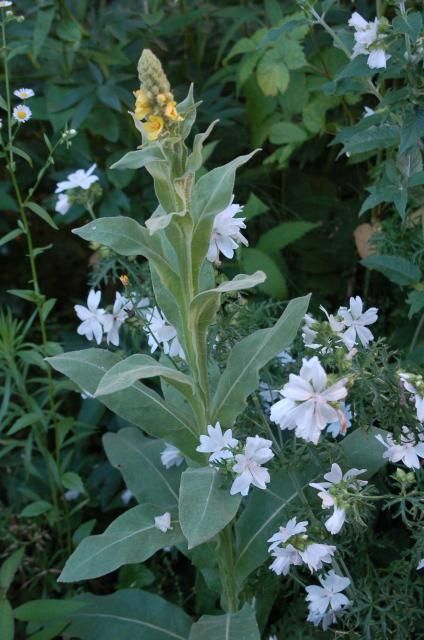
(171, 456)
(22, 113)
(62, 204)
(218, 444)
(163, 522)
(24, 94)
(409, 449)
(226, 235)
(91, 326)
(79, 179)
(249, 468)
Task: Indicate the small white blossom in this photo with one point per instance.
(354, 320)
(163, 522)
(62, 204)
(292, 528)
(267, 395)
(368, 41)
(71, 495)
(336, 480)
(127, 496)
(308, 404)
(316, 554)
(218, 444)
(406, 379)
(113, 321)
(22, 113)
(408, 450)
(171, 456)
(344, 422)
(420, 565)
(308, 334)
(368, 112)
(285, 357)
(5, 3)
(284, 558)
(327, 600)
(226, 235)
(24, 94)
(162, 332)
(248, 467)
(91, 326)
(79, 179)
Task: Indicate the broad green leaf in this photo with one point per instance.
(138, 404)
(139, 367)
(72, 481)
(241, 376)
(43, 22)
(205, 507)
(284, 234)
(373, 139)
(245, 45)
(291, 52)
(140, 158)
(46, 610)
(362, 450)
(397, 269)
(132, 537)
(7, 623)
(138, 460)
(231, 626)
(275, 283)
(272, 73)
(36, 508)
(9, 568)
(129, 614)
(287, 133)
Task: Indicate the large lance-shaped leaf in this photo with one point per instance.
(205, 508)
(241, 376)
(362, 450)
(232, 626)
(132, 537)
(138, 460)
(138, 367)
(140, 158)
(129, 614)
(138, 404)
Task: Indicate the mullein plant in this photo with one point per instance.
(229, 496)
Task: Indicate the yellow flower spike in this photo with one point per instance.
(142, 104)
(153, 127)
(171, 111)
(161, 99)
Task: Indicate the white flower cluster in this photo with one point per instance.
(309, 405)
(161, 332)
(409, 449)
(80, 179)
(291, 546)
(369, 38)
(327, 603)
(245, 461)
(332, 493)
(96, 322)
(414, 384)
(226, 235)
(22, 113)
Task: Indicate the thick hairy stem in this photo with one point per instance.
(229, 596)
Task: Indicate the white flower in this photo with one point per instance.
(113, 321)
(161, 332)
(355, 319)
(163, 522)
(267, 395)
(368, 41)
(408, 450)
(91, 326)
(342, 424)
(171, 456)
(22, 113)
(283, 534)
(306, 401)
(335, 479)
(327, 599)
(308, 334)
(218, 444)
(127, 496)
(326, 619)
(71, 495)
(285, 357)
(226, 235)
(420, 565)
(24, 94)
(81, 179)
(62, 204)
(368, 112)
(316, 554)
(5, 3)
(284, 558)
(406, 379)
(1, 123)
(248, 467)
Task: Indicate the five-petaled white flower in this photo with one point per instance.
(226, 235)
(163, 522)
(91, 326)
(292, 528)
(248, 467)
(22, 113)
(162, 332)
(218, 444)
(171, 456)
(326, 601)
(407, 381)
(79, 179)
(368, 41)
(62, 204)
(113, 321)
(24, 94)
(337, 481)
(409, 449)
(307, 403)
(354, 320)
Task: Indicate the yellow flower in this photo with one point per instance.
(153, 127)
(124, 279)
(171, 111)
(142, 104)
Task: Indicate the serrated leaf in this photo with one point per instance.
(272, 74)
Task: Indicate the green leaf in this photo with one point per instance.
(272, 74)
(71, 480)
(9, 568)
(138, 460)
(132, 537)
(373, 139)
(291, 52)
(241, 376)
(41, 213)
(43, 22)
(139, 367)
(26, 294)
(287, 133)
(3, 103)
(42, 611)
(129, 614)
(49, 632)
(284, 234)
(195, 159)
(362, 450)
(275, 284)
(231, 626)
(36, 508)
(254, 207)
(7, 624)
(397, 269)
(140, 158)
(24, 421)
(22, 154)
(10, 236)
(205, 508)
(410, 24)
(245, 45)
(138, 404)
